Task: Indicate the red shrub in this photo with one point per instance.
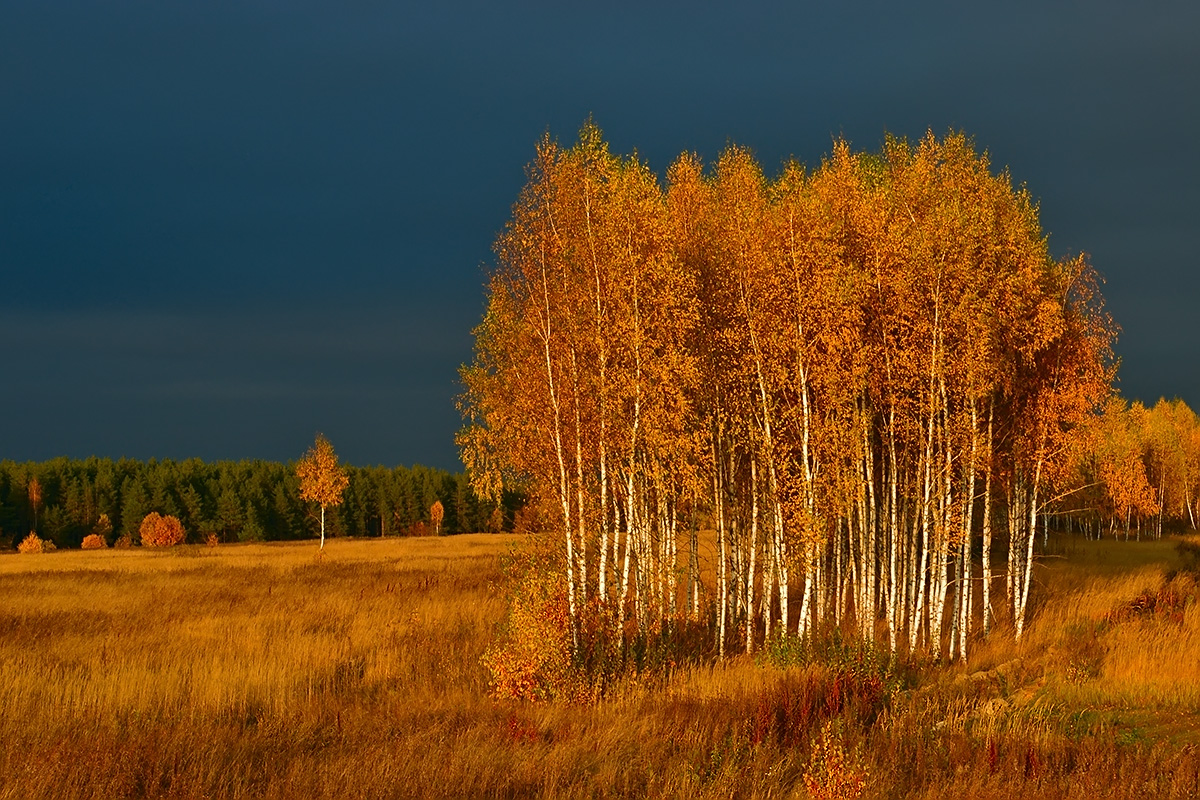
(161, 531)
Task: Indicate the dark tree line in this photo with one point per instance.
(66, 499)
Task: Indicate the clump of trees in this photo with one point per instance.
(1134, 469)
(855, 375)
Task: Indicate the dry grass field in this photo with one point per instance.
(271, 671)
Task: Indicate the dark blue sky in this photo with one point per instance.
(225, 226)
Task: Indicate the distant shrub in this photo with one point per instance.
(123, 542)
(31, 544)
(211, 539)
(93, 541)
(161, 531)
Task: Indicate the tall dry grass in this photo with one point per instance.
(270, 671)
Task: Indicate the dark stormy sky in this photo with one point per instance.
(225, 226)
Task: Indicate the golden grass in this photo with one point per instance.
(236, 671)
(272, 671)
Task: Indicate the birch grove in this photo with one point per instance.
(774, 405)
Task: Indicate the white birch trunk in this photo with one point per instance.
(986, 554)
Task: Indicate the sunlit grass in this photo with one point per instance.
(273, 671)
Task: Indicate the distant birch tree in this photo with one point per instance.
(322, 481)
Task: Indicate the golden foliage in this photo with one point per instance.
(532, 660)
(833, 774)
(820, 361)
(322, 481)
(437, 513)
(93, 541)
(31, 544)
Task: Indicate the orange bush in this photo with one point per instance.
(93, 541)
(31, 544)
(161, 531)
(533, 659)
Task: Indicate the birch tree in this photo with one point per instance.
(322, 481)
(855, 373)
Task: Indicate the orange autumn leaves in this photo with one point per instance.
(1134, 466)
(322, 481)
(845, 373)
(161, 530)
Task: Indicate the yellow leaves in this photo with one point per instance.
(806, 324)
(321, 479)
(533, 659)
(478, 452)
(31, 544)
(834, 774)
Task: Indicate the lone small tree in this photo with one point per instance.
(436, 514)
(322, 481)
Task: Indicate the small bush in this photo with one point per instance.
(832, 773)
(93, 541)
(211, 539)
(533, 659)
(123, 542)
(161, 531)
(32, 544)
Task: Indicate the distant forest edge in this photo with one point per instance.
(64, 499)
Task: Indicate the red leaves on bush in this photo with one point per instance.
(161, 531)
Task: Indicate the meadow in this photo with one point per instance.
(273, 670)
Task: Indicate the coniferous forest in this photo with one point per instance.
(64, 500)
